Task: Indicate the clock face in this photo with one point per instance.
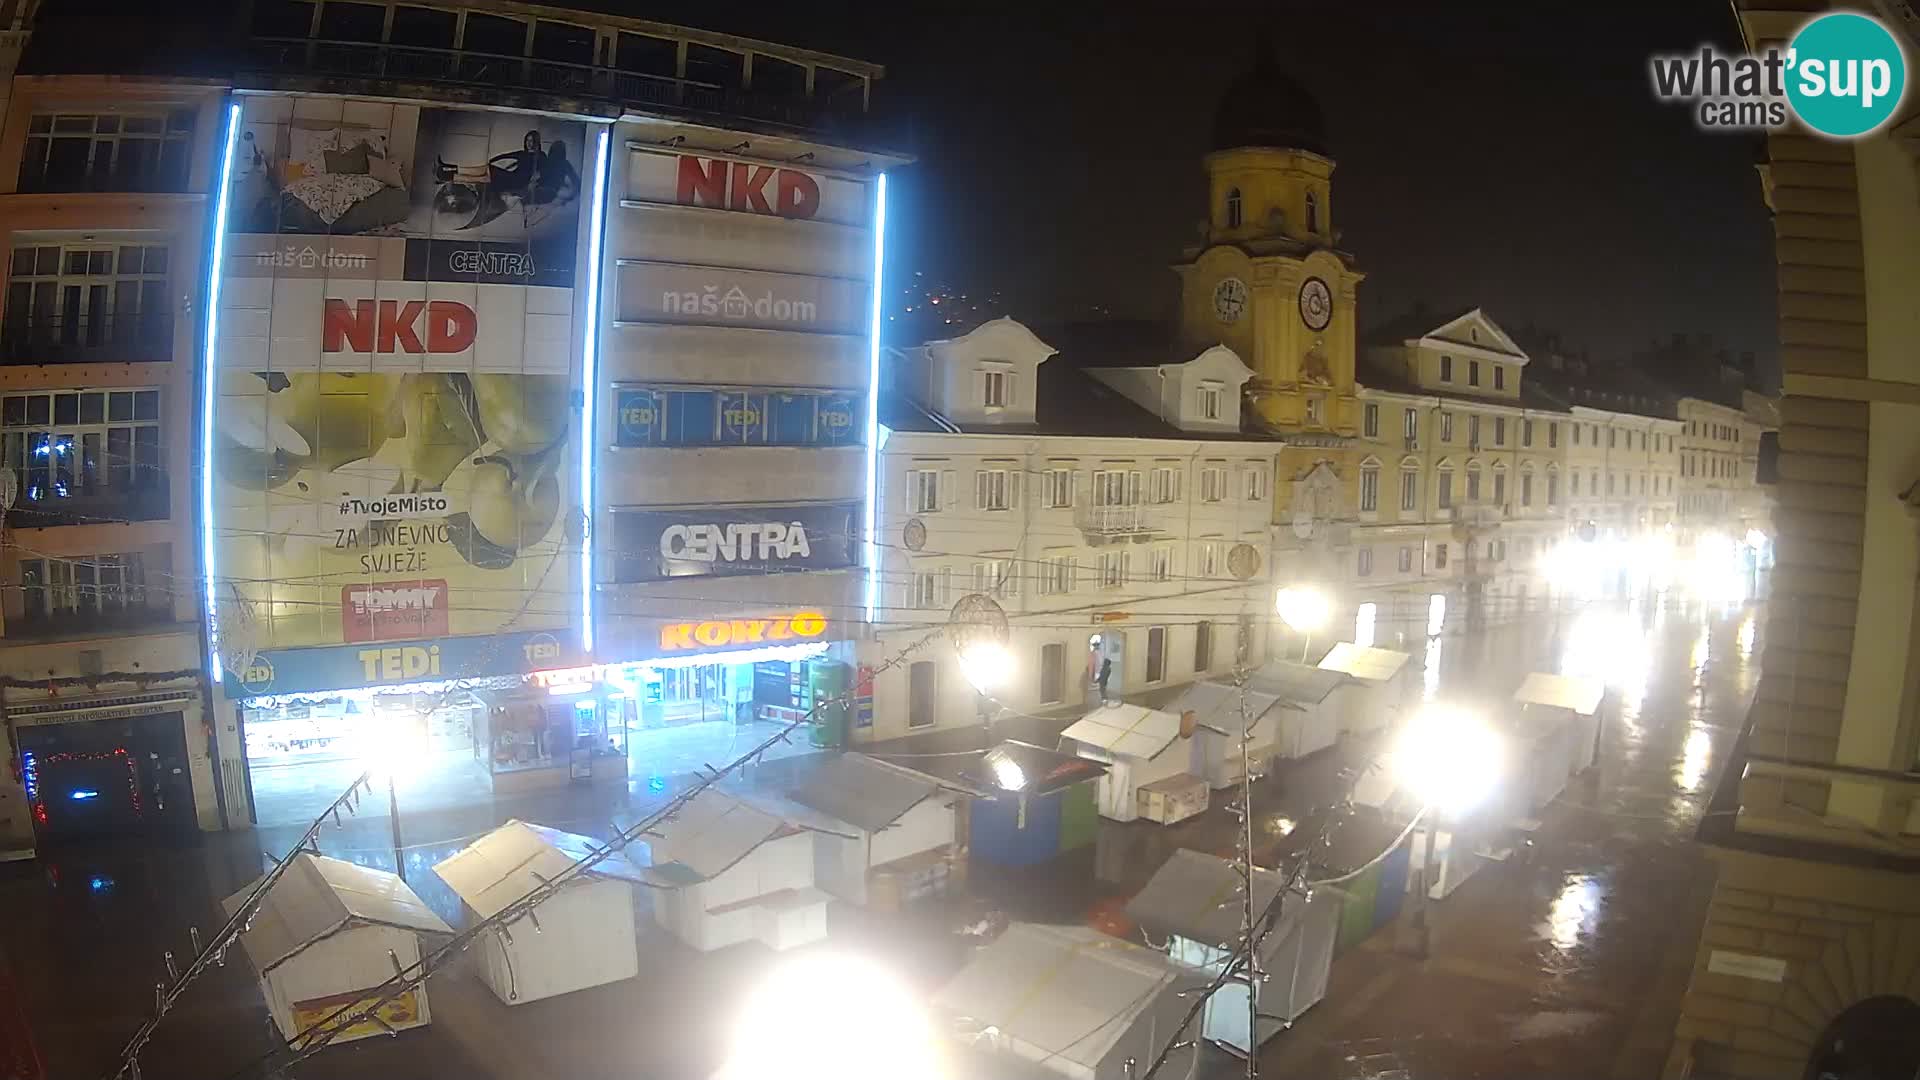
(1316, 304)
(1229, 299)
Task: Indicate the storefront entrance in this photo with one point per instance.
(100, 776)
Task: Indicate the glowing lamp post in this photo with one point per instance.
(988, 666)
(1304, 609)
(1450, 760)
(798, 1025)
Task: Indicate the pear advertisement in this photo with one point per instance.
(395, 440)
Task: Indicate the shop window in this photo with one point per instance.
(1156, 654)
(1203, 646)
(922, 699)
(1053, 674)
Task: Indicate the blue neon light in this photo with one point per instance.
(873, 394)
(589, 363)
(100, 883)
(209, 384)
(82, 794)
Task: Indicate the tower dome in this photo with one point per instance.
(1266, 107)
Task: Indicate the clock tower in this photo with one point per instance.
(1266, 280)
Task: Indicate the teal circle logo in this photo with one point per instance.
(1846, 74)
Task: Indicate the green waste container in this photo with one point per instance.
(827, 682)
(1356, 909)
(1079, 816)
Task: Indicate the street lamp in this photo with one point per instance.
(1304, 609)
(988, 666)
(798, 1025)
(1450, 760)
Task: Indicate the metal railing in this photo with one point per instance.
(40, 506)
(1120, 520)
(86, 340)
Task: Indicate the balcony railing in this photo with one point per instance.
(94, 339)
(40, 505)
(371, 60)
(1136, 519)
(87, 622)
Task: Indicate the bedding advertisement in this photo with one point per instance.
(395, 437)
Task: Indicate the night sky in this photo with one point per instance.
(1507, 155)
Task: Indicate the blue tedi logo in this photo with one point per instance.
(1844, 75)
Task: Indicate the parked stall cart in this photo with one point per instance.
(1311, 702)
(326, 935)
(1031, 804)
(1382, 685)
(898, 827)
(1578, 699)
(1149, 759)
(1078, 1002)
(1218, 722)
(1195, 901)
(581, 936)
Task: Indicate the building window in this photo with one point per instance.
(1203, 646)
(995, 489)
(1363, 562)
(1499, 431)
(1553, 490)
(1313, 214)
(1609, 482)
(1369, 490)
(1409, 491)
(1316, 410)
(1113, 569)
(996, 388)
(1446, 368)
(1213, 484)
(84, 455)
(1410, 428)
(1053, 673)
(1056, 574)
(1610, 437)
(1210, 400)
(1156, 654)
(89, 592)
(1576, 434)
(922, 697)
(1499, 376)
(1499, 488)
(1473, 432)
(1370, 421)
(122, 151)
(1643, 483)
(1526, 489)
(1446, 427)
(1553, 436)
(1440, 556)
(1443, 488)
(1207, 560)
(1406, 560)
(1256, 484)
(923, 490)
(1473, 483)
(1164, 485)
(1234, 216)
(1473, 373)
(1526, 433)
(928, 589)
(1056, 488)
(1160, 563)
(1116, 487)
(1363, 619)
(996, 577)
(85, 302)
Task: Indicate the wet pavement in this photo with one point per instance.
(1569, 958)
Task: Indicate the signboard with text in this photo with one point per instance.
(719, 541)
(721, 183)
(720, 296)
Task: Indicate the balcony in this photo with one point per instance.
(39, 507)
(1138, 522)
(98, 339)
(91, 622)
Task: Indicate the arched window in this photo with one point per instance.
(1313, 213)
(1233, 208)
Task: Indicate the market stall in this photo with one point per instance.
(326, 935)
(1034, 804)
(1312, 701)
(1216, 707)
(1578, 699)
(1541, 746)
(1081, 1003)
(1195, 900)
(898, 825)
(729, 871)
(581, 936)
(1150, 761)
(1382, 685)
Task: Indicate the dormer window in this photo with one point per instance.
(996, 388)
(1446, 368)
(1313, 214)
(1210, 400)
(1233, 208)
(1473, 333)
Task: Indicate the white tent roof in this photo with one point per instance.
(1066, 992)
(1364, 662)
(1198, 895)
(1296, 682)
(710, 833)
(517, 858)
(1127, 730)
(1217, 704)
(1562, 691)
(317, 896)
(864, 792)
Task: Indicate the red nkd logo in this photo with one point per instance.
(416, 326)
(736, 185)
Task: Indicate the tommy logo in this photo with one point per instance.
(387, 326)
(737, 185)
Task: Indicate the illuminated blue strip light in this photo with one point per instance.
(873, 395)
(589, 383)
(209, 386)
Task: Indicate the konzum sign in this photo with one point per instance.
(733, 633)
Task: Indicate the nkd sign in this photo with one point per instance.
(765, 190)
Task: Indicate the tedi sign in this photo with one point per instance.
(755, 189)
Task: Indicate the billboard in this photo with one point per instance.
(396, 435)
(723, 296)
(720, 541)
